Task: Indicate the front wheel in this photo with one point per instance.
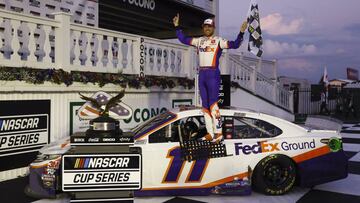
(274, 175)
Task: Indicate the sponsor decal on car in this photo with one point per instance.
(262, 147)
(50, 172)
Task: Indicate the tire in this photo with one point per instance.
(274, 175)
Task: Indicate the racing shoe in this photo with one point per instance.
(218, 138)
(207, 137)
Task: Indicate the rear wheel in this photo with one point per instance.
(274, 175)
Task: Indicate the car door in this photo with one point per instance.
(155, 156)
(163, 166)
(252, 139)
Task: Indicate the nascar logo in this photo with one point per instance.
(114, 162)
(23, 131)
(18, 124)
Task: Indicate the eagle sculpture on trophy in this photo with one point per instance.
(104, 111)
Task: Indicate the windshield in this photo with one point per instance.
(152, 123)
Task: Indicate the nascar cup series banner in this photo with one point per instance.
(24, 129)
(99, 172)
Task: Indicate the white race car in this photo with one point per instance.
(271, 153)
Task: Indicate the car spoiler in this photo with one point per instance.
(323, 123)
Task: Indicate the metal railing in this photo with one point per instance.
(249, 78)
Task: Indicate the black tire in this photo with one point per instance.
(274, 175)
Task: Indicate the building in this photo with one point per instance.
(292, 82)
(82, 11)
(340, 82)
(153, 18)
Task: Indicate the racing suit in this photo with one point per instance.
(209, 50)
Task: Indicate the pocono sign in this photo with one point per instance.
(146, 4)
(99, 172)
(142, 59)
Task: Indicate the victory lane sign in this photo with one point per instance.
(100, 172)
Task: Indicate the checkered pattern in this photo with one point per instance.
(255, 38)
(201, 150)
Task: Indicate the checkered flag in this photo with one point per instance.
(255, 38)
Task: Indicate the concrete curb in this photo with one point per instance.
(323, 122)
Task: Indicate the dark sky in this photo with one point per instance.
(303, 35)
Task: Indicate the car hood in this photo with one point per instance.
(58, 147)
(62, 145)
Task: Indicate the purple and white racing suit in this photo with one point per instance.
(209, 50)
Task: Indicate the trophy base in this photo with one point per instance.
(82, 138)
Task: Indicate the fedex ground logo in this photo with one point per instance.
(99, 172)
(259, 147)
(262, 147)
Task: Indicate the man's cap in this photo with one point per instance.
(209, 21)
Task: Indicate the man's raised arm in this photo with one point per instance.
(179, 33)
(235, 44)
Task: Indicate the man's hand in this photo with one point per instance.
(243, 27)
(176, 20)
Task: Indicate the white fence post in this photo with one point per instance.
(254, 80)
(259, 65)
(276, 84)
(62, 41)
(224, 65)
(274, 88)
(291, 101)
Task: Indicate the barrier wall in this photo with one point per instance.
(246, 100)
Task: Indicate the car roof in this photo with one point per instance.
(183, 111)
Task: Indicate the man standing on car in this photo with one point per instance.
(209, 49)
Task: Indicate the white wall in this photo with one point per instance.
(243, 99)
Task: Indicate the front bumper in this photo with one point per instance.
(322, 169)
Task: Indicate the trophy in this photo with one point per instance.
(102, 109)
